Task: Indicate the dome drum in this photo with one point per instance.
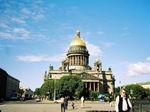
(78, 49)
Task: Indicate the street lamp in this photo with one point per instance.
(54, 88)
(131, 92)
(120, 85)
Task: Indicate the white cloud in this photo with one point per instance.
(86, 34)
(139, 68)
(23, 86)
(148, 58)
(94, 50)
(34, 58)
(3, 25)
(6, 46)
(92, 34)
(18, 20)
(22, 32)
(39, 17)
(108, 44)
(25, 11)
(5, 35)
(100, 33)
(35, 12)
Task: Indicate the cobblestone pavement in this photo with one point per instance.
(53, 107)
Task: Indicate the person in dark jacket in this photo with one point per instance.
(66, 102)
(123, 103)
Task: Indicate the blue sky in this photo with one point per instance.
(37, 33)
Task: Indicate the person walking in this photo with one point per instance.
(110, 99)
(62, 104)
(82, 101)
(72, 105)
(123, 103)
(66, 102)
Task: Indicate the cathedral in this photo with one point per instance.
(77, 63)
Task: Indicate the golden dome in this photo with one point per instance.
(77, 40)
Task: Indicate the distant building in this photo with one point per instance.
(8, 85)
(28, 93)
(77, 63)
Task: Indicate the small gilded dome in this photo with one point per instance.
(77, 40)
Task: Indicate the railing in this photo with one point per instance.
(99, 111)
(141, 105)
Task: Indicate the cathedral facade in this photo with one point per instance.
(77, 63)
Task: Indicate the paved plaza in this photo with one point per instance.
(92, 106)
(53, 107)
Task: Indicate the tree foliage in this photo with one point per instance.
(94, 95)
(48, 88)
(117, 91)
(37, 91)
(135, 91)
(21, 91)
(138, 91)
(71, 86)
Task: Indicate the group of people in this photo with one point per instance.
(123, 103)
(64, 103)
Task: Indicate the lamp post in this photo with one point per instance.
(131, 92)
(120, 85)
(54, 89)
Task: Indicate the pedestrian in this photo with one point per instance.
(82, 101)
(72, 105)
(66, 102)
(62, 104)
(123, 103)
(110, 99)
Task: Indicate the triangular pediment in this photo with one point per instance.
(86, 76)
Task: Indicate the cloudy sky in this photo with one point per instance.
(37, 33)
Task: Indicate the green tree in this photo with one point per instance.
(138, 91)
(21, 91)
(147, 91)
(71, 86)
(94, 95)
(48, 88)
(117, 91)
(37, 91)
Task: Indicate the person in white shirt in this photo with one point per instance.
(62, 104)
(123, 103)
(82, 101)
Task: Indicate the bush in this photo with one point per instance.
(94, 95)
